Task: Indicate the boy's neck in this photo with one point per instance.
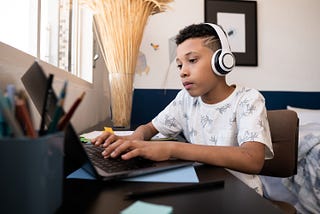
(221, 93)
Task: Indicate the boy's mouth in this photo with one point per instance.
(187, 85)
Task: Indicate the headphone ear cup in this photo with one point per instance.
(222, 62)
(215, 63)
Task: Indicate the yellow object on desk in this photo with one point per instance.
(108, 129)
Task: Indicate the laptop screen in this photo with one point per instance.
(35, 83)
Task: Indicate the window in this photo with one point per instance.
(65, 32)
(19, 24)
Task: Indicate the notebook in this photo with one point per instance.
(78, 154)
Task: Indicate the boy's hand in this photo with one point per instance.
(105, 138)
(157, 151)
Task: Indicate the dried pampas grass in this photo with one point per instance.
(119, 26)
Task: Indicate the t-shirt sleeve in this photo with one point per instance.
(252, 121)
(168, 121)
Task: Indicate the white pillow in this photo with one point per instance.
(308, 130)
(306, 116)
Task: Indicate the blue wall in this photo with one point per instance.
(147, 103)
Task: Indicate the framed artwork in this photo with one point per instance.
(239, 20)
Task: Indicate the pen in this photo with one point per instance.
(48, 94)
(9, 117)
(59, 109)
(176, 189)
(66, 118)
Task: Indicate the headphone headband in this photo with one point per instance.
(223, 60)
(222, 36)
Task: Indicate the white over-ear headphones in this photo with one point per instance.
(223, 61)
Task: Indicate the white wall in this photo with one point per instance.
(288, 46)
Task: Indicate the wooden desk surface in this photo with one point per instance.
(85, 196)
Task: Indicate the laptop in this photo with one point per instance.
(80, 155)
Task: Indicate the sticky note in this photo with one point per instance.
(141, 207)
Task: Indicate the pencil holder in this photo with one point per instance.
(31, 177)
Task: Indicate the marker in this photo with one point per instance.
(11, 93)
(24, 117)
(9, 117)
(59, 109)
(48, 94)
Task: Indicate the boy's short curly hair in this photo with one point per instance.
(199, 31)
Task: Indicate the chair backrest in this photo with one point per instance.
(284, 128)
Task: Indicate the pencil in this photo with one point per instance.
(67, 117)
(176, 189)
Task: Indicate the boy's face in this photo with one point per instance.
(194, 62)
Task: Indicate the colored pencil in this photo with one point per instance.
(67, 117)
(24, 117)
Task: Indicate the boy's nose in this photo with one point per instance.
(183, 72)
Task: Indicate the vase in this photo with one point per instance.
(121, 87)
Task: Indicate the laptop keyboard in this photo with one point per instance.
(112, 165)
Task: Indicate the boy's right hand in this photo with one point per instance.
(105, 137)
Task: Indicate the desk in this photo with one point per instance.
(85, 196)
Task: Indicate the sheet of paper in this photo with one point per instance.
(81, 174)
(91, 135)
(180, 175)
(142, 207)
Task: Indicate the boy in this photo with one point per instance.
(225, 125)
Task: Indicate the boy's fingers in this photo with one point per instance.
(100, 139)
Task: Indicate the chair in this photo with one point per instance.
(284, 128)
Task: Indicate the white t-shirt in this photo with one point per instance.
(239, 118)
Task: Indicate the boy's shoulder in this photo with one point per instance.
(245, 94)
(244, 90)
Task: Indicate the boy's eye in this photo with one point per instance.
(192, 60)
(179, 67)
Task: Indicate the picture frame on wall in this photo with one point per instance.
(239, 20)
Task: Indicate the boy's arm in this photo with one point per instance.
(143, 132)
(248, 158)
